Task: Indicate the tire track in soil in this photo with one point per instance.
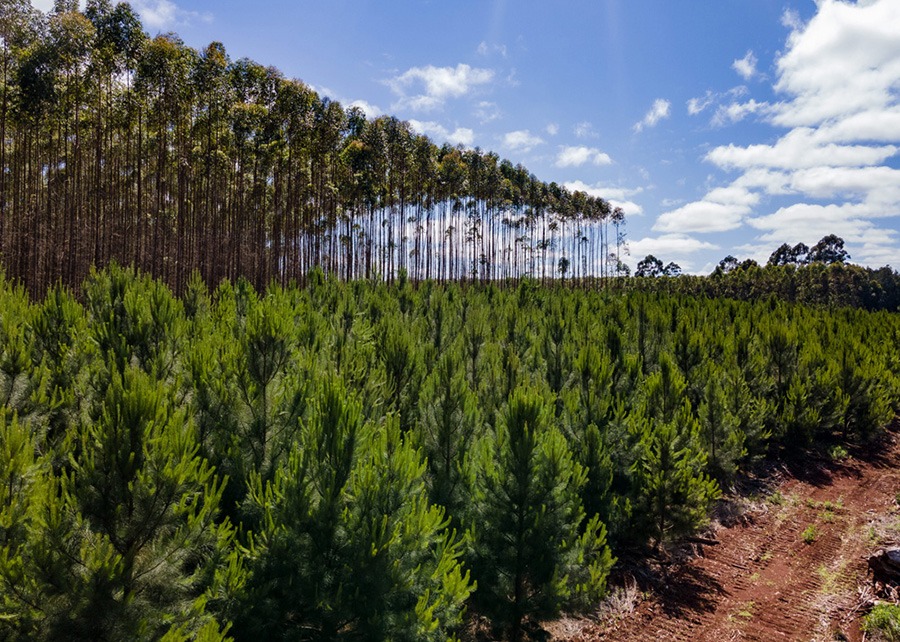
(763, 582)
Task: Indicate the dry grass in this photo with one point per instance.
(622, 601)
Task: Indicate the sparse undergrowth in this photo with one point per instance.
(883, 623)
(810, 534)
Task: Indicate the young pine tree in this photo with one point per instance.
(674, 493)
(124, 544)
(720, 430)
(26, 478)
(447, 430)
(349, 547)
(532, 551)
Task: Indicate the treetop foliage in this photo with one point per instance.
(119, 146)
(819, 275)
(369, 461)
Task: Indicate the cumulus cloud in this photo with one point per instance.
(670, 247)
(746, 66)
(164, 14)
(459, 136)
(720, 210)
(580, 155)
(616, 196)
(658, 111)
(846, 60)
(552, 129)
(791, 19)
(833, 168)
(521, 140)
(435, 85)
(370, 110)
(799, 149)
(868, 242)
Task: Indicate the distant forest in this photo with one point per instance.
(819, 275)
(119, 146)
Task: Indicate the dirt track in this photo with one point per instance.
(766, 581)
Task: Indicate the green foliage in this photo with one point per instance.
(124, 544)
(673, 491)
(884, 621)
(149, 503)
(810, 534)
(447, 430)
(316, 463)
(720, 430)
(531, 554)
(25, 485)
(134, 320)
(342, 554)
(837, 453)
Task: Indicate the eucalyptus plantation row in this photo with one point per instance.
(118, 146)
(367, 461)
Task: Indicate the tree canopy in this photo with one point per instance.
(115, 145)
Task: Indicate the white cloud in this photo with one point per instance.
(459, 136)
(521, 140)
(877, 254)
(485, 49)
(617, 196)
(552, 129)
(658, 111)
(799, 148)
(810, 222)
(721, 210)
(669, 247)
(697, 105)
(585, 129)
(791, 19)
(164, 14)
(702, 216)
(736, 112)
(370, 110)
(580, 155)
(833, 170)
(436, 85)
(487, 112)
(870, 125)
(846, 60)
(746, 66)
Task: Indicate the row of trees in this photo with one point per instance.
(118, 146)
(367, 461)
(798, 274)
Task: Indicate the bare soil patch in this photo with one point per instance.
(790, 568)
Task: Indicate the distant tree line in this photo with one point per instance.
(799, 274)
(118, 146)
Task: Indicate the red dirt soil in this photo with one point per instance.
(766, 581)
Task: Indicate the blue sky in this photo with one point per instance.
(721, 126)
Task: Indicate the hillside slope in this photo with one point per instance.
(788, 570)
